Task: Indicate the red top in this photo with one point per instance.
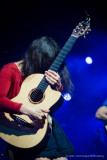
(10, 83)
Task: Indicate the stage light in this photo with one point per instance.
(88, 60)
(67, 96)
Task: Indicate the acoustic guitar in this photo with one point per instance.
(20, 130)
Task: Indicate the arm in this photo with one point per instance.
(101, 114)
(6, 105)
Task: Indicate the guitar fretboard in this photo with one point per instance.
(58, 61)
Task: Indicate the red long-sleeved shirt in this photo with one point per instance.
(10, 84)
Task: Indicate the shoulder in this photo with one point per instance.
(9, 69)
(9, 66)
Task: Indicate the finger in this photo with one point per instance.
(51, 80)
(50, 72)
(56, 75)
(52, 76)
(53, 72)
(38, 114)
(45, 110)
(37, 118)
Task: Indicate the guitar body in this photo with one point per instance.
(23, 136)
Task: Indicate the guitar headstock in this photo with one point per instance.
(82, 28)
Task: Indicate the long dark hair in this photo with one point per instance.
(40, 55)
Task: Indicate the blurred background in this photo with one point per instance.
(23, 21)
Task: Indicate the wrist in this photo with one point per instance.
(23, 110)
(60, 88)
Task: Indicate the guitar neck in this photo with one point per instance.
(63, 53)
(58, 60)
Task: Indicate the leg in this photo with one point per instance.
(42, 159)
(62, 158)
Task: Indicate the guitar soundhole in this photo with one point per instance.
(36, 96)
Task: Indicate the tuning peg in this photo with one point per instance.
(87, 32)
(84, 36)
(74, 31)
(89, 29)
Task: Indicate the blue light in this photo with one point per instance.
(67, 96)
(88, 60)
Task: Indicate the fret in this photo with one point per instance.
(66, 48)
(59, 59)
(43, 85)
(55, 65)
(53, 68)
(62, 54)
(69, 44)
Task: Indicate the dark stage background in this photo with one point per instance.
(23, 21)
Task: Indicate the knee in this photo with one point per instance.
(62, 158)
(42, 158)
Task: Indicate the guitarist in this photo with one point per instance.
(101, 113)
(37, 59)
